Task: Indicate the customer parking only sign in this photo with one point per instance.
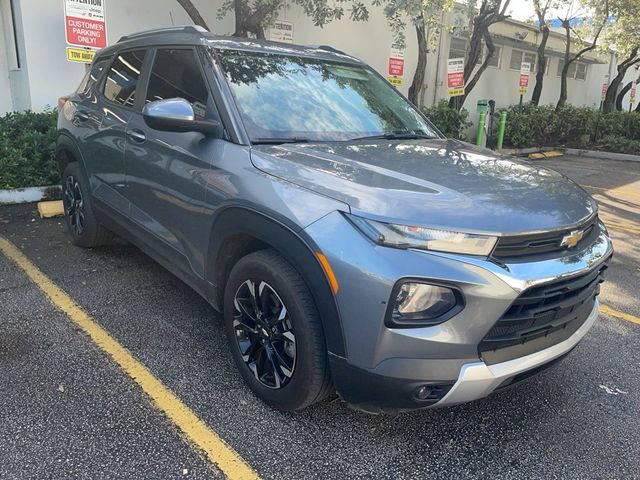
(85, 27)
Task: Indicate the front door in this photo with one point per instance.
(165, 171)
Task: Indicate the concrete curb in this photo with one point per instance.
(573, 151)
(603, 155)
(30, 194)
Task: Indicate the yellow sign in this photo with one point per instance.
(395, 81)
(523, 90)
(80, 55)
(456, 92)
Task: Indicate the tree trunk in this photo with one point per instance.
(612, 92)
(621, 95)
(193, 13)
(542, 66)
(417, 85)
(565, 69)
(458, 102)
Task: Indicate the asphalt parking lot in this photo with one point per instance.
(67, 409)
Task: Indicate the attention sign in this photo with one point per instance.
(85, 23)
(455, 77)
(396, 66)
(525, 70)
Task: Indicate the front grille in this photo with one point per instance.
(523, 247)
(542, 316)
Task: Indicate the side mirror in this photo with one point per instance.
(176, 115)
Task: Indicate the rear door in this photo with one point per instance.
(116, 101)
(166, 171)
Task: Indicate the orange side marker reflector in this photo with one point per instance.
(328, 272)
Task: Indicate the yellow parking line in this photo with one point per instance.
(193, 428)
(615, 313)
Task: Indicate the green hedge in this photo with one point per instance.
(577, 127)
(449, 121)
(27, 146)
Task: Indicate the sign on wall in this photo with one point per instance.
(455, 77)
(525, 70)
(603, 91)
(281, 32)
(85, 23)
(632, 95)
(396, 66)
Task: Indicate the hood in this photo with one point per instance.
(437, 183)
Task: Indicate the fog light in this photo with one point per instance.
(421, 304)
(422, 393)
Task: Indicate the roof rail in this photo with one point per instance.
(180, 29)
(328, 48)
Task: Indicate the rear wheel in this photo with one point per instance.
(84, 227)
(274, 332)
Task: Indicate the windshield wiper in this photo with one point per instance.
(394, 136)
(277, 141)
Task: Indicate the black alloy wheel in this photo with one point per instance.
(74, 204)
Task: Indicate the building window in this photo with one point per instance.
(518, 56)
(581, 71)
(572, 69)
(458, 47)
(495, 60)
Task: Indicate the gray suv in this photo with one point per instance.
(349, 245)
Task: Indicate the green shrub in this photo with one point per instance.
(448, 120)
(27, 146)
(528, 126)
(620, 144)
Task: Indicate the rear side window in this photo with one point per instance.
(176, 73)
(92, 76)
(122, 77)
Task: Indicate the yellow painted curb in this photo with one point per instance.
(51, 209)
(194, 430)
(551, 154)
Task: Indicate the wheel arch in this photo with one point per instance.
(239, 230)
(66, 152)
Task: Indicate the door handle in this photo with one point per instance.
(137, 135)
(81, 116)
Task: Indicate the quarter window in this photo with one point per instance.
(122, 77)
(91, 77)
(176, 73)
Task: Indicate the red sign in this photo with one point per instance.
(396, 66)
(455, 80)
(524, 80)
(86, 33)
(632, 96)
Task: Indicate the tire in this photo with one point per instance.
(84, 227)
(303, 357)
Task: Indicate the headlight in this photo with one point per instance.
(404, 236)
(417, 304)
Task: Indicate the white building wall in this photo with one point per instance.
(6, 104)
(49, 74)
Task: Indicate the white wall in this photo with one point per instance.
(6, 104)
(50, 75)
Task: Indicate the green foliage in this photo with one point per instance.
(449, 121)
(27, 146)
(620, 144)
(577, 127)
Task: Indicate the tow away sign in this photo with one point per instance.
(396, 66)
(85, 23)
(80, 55)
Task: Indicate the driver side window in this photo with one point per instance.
(176, 73)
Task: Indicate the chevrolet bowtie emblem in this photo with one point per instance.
(572, 239)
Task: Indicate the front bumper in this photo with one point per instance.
(384, 366)
(477, 380)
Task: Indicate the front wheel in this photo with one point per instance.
(274, 332)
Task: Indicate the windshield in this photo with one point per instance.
(293, 98)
